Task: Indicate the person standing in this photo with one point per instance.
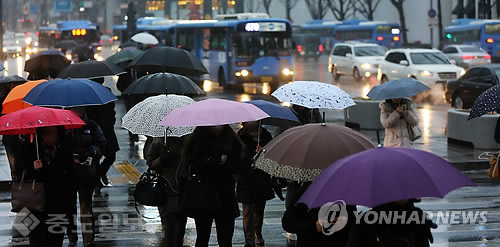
(254, 186)
(87, 144)
(213, 156)
(397, 115)
(167, 159)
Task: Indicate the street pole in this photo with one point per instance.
(432, 28)
(1, 28)
(477, 9)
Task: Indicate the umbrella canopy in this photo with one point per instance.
(12, 79)
(123, 57)
(397, 89)
(169, 59)
(145, 38)
(279, 115)
(312, 94)
(161, 83)
(90, 69)
(26, 121)
(211, 112)
(67, 44)
(381, 175)
(67, 93)
(52, 61)
(14, 100)
(301, 153)
(488, 101)
(144, 117)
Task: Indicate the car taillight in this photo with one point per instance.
(396, 38)
(487, 56)
(243, 63)
(467, 57)
(380, 38)
(489, 40)
(299, 48)
(320, 48)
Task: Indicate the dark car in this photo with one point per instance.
(308, 46)
(462, 93)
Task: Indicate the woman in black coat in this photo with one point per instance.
(254, 185)
(213, 156)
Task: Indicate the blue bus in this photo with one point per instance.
(481, 33)
(79, 31)
(377, 32)
(236, 51)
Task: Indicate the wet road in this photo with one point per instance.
(119, 224)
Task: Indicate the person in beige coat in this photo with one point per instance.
(396, 115)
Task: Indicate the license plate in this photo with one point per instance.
(266, 79)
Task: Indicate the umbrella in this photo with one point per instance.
(301, 153)
(211, 112)
(381, 175)
(169, 59)
(26, 121)
(124, 56)
(145, 38)
(279, 115)
(312, 94)
(12, 79)
(90, 69)
(52, 61)
(129, 45)
(144, 117)
(488, 101)
(161, 83)
(14, 100)
(67, 44)
(397, 89)
(69, 93)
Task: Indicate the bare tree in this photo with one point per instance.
(252, 6)
(398, 4)
(317, 8)
(366, 7)
(341, 9)
(267, 5)
(289, 5)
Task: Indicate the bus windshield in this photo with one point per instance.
(492, 28)
(428, 58)
(259, 45)
(367, 51)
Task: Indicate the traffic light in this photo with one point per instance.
(131, 19)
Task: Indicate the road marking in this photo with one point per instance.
(129, 175)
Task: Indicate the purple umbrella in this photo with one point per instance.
(213, 112)
(382, 175)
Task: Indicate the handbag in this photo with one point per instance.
(28, 195)
(414, 132)
(151, 190)
(200, 198)
(494, 171)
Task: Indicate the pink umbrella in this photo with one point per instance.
(213, 112)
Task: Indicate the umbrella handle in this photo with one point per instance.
(36, 143)
(258, 133)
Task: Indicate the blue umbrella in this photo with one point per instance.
(280, 115)
(397, 89)
(68, 93)
(488, 101)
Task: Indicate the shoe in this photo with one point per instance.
(105, 182)
(260, 242)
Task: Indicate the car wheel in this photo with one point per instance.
(336, 76)
(458, 103)
(384, 79)
(355, 74)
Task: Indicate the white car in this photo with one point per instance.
(429, 66)
(355, 59)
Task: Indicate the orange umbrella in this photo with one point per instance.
(13, 102)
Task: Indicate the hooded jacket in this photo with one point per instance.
(396, 125)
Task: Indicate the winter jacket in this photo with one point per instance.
(105, 117)
(254, 185)
(396, 125)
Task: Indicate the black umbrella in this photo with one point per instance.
(90, 69)
(168, 59)
(67, 44)
(49, 62)
(161, 83)
(12, 79)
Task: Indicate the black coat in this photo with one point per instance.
(254, 185)
(105, 117)
(400, 235)
(301, 221)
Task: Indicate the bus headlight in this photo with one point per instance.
(243, 73)
(366, 66)
(287, 72)
(462, 72)
(425, 73)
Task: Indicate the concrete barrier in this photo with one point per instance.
(478, 131)
(365, 115)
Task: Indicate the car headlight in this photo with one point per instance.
(19, 49)
(425, 73)
(462, 72)
(99, 48)
(4, 49)
(96, 56)
(34, 50)
(287, 72)
(366, 65)
(28, 40)
(69, 57)
(28, 50)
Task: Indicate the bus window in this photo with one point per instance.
(492, 28)
(251, 45)
(185, 39)
(386, 29)
(206, 39)
(354, 35)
